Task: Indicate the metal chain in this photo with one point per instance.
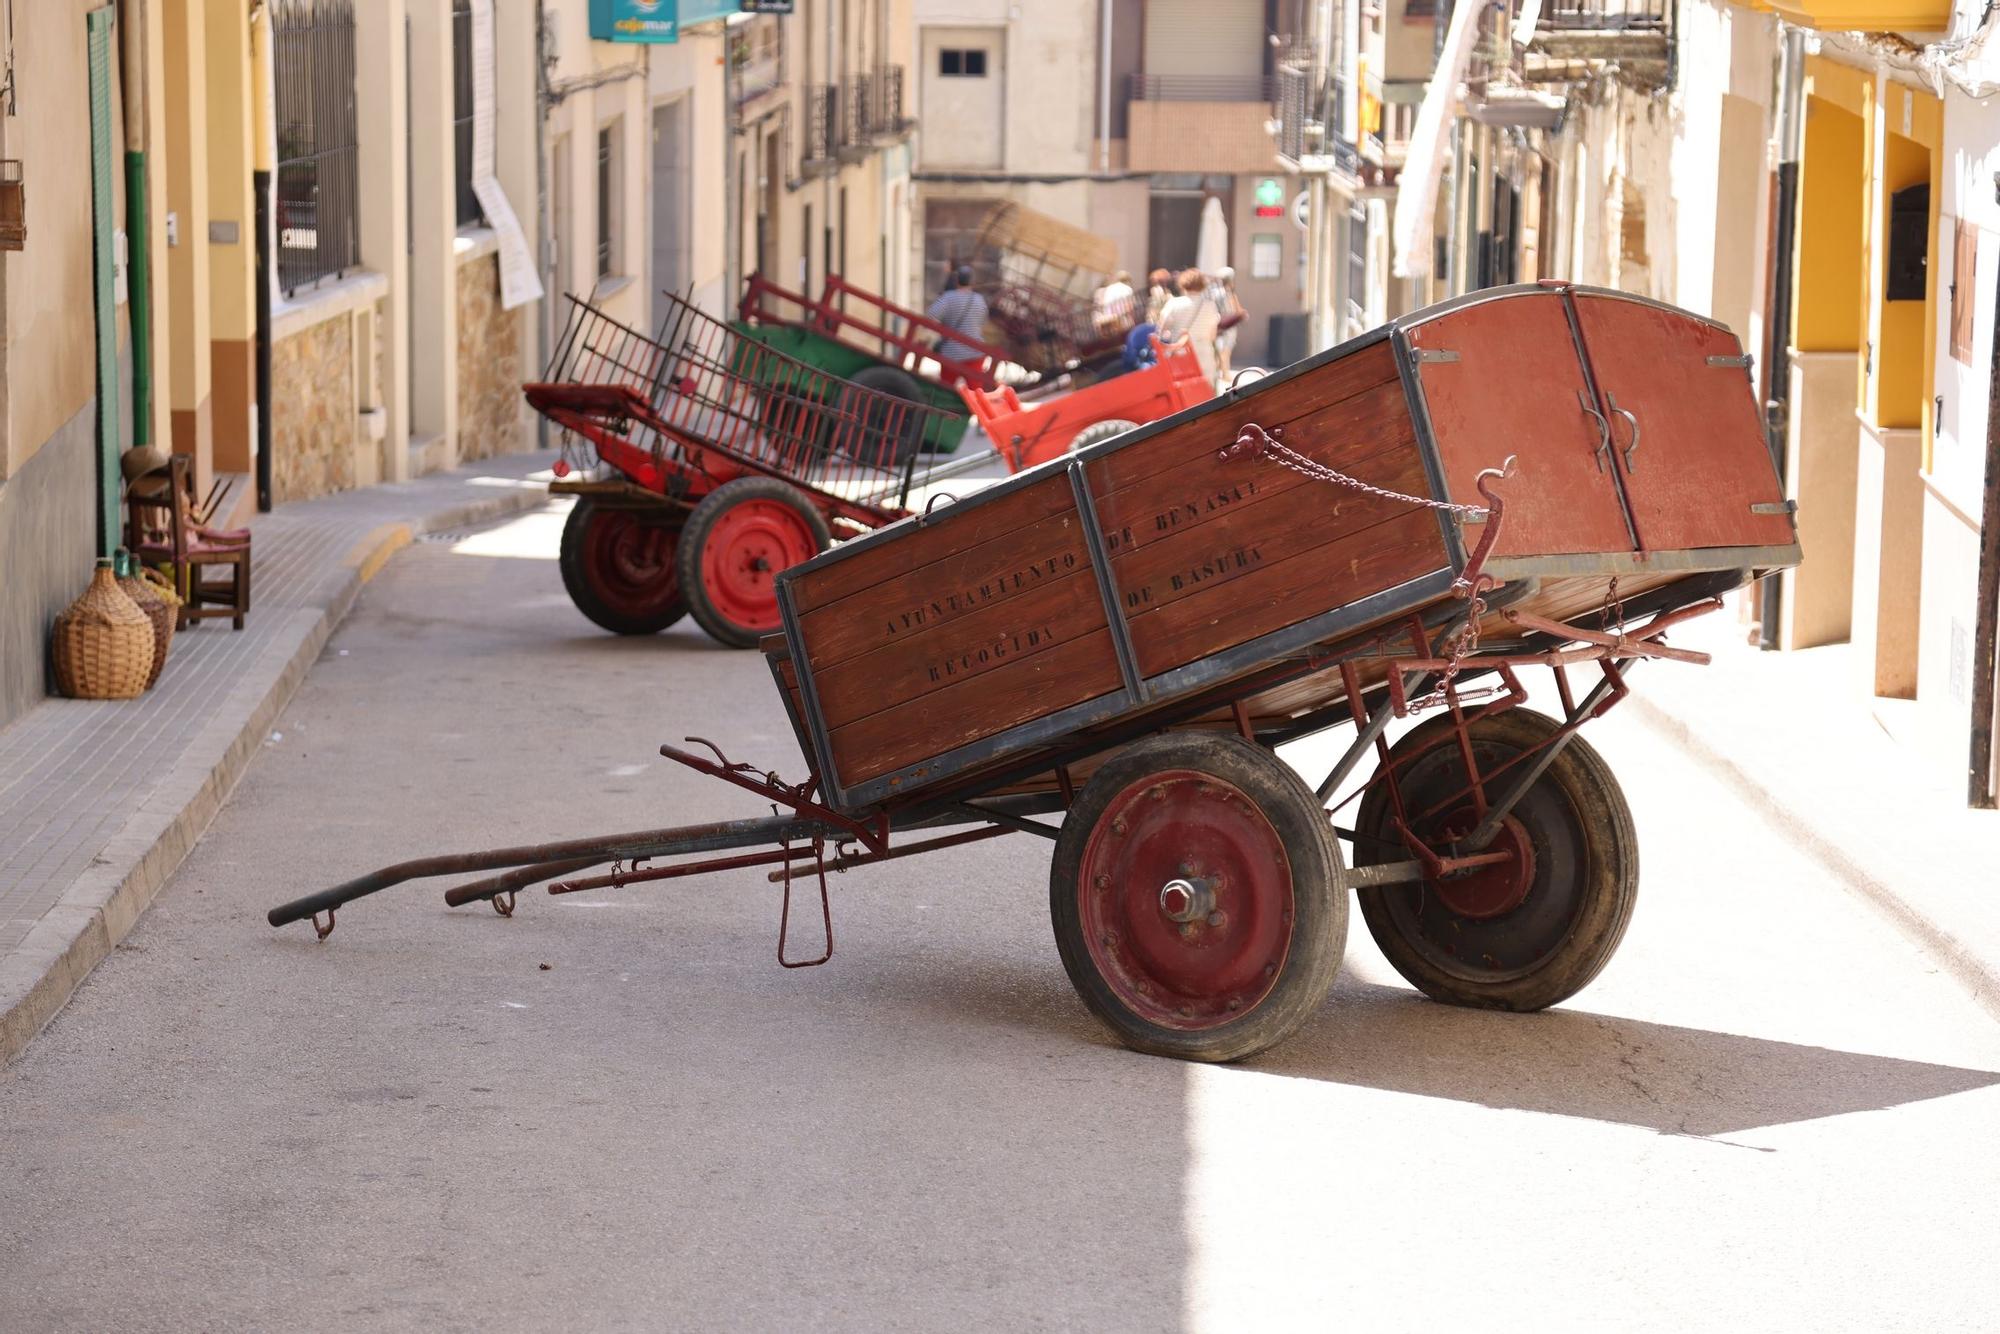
(1256, 440)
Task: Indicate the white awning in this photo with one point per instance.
(1417, 187)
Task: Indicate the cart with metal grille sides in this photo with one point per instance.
(1548, 477)
(704, 463)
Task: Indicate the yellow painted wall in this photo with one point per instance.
(185, 357)
(51, 366)
(1829, 314)
(1903, 325)
(232, 268)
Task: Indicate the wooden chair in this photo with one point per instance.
(163, 528)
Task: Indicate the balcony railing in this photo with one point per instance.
(1202, 88)
(1295, 112)
(823, 127)
(858, 116)
(1607, 15)
(889, 99)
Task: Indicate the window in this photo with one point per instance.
(962, 62)
(608, 200)
(462, 109)
(319, 228)
(1267, 256)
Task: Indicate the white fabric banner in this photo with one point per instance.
(1416, 189)
(519, 284)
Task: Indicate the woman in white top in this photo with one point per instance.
(1192, 316)
(1229, 313)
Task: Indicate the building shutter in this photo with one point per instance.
(1215, 38)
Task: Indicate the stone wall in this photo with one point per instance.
(489, 364)
(313, 397)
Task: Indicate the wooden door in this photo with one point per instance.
(1687, 437)
(1504, 377)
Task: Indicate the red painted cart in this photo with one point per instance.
(1123, 637)
(711, 463)
(1028, 433)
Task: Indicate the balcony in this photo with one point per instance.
(1576, 40)
(823, 130)
(1307, 102)
(889, 118)
(1864, 15)
(857, 125)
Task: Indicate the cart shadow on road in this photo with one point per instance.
(1662, 1077)
(1566, 1062)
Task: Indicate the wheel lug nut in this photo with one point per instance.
(1102, 882)
(1118, 824)
(1217, 918)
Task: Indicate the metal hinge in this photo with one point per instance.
(1775, 507)
(1430, 354)
(1744, 360)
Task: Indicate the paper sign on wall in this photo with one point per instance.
(519, 283)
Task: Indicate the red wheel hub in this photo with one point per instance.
(1186, 900)
(748, 544)
(630, 562)
(1495, 889)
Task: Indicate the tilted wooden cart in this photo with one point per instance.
(1124, 635)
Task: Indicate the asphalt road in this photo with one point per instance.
(614, 1111)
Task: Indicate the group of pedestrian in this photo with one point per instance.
(1190, 307)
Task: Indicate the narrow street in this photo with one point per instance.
(615, 1111)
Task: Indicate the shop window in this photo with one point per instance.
(1267, 256)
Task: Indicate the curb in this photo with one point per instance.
(104, 903)
(1977, 976)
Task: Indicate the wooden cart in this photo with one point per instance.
(707, 463)
(1531, 476)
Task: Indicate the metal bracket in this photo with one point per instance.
(1775, 507)
(1433, 355)
(1603, 450)
(1631, 420)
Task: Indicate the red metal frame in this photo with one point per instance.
(904, 337)
(1031, 433)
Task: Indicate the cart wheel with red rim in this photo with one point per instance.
(1198, 899)
(618, 566)
(1525, 933)
(736, 542)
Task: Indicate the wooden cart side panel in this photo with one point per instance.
(1702, 461)
(976, 707)
(1504, 376)
(917, 544)
(1129, 463)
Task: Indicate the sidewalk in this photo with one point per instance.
(1800, 744)
(100, 801)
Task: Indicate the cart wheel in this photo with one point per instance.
(618, 566)
(1197, 896)
(1098, 432)
(735, 543)
(1524, 934)
(876, 416)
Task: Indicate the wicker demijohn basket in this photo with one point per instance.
(102, 643)
(159, 611)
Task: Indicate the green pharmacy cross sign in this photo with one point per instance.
(651, 20)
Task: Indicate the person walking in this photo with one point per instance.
(1113, 305)
(1162, 291)
(1229, 313)
(963, 311)
(1192, 317)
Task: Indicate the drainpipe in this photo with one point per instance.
(545, 223)
(1104, 86)
(834, 97)
(1986, 621)
(264, 160)
(1777, 347)
(132, 53)
(732, 181)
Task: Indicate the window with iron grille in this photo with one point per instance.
(318, 186)
(469, 214)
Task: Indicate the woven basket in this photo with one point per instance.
(159, 611)
(102, 644)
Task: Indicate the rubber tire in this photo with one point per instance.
(1319, 893)
(695, 536)
(1579, 778)
(577, 582)
(896, 383)
(1097, 432)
